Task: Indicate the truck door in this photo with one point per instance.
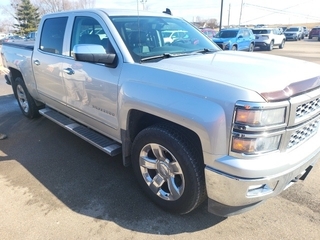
(47, 60)
(91, 88)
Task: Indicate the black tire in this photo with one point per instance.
(270, 47)
(234, 48)
(169, 168)
(251, 47)
(310, 37)
(281, 46)
(25, 101)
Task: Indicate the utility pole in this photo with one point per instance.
(240, 13)
(229, 14)
(143, 4)
(220, 26)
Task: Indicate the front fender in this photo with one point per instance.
(202, 116)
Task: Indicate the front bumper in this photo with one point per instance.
(292, 37)
(229, 195)
(261, 44)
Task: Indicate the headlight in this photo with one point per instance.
(255, 145)
(260, 117)
(226, 45)
(258, 128)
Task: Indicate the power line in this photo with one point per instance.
(282, 11)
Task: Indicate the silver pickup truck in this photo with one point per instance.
(193, 121)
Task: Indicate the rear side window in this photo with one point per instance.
(52, 35)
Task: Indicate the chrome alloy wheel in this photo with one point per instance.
(162, 172)
(22, 98)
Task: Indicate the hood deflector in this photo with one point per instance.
(292, 90)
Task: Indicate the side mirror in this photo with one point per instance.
(93, 53)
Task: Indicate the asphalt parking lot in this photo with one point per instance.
(54, 185)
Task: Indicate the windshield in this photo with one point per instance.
(146, 37)
(227, 34)
(292, 29)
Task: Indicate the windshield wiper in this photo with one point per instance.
(169, 55)
(205, 50)
(163, 56)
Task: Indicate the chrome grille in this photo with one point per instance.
(303, 133)
(307, 108)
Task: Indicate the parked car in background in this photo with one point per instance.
(315, 32)
(305, 31)
(209, 32)
(13, 38)
(283, 29)
(2, 37)
(31, 36)
(241, 39)
(260, 26)
(170, 35)
(267, 38)
(294, 33)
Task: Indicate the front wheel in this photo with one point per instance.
(169, 168)
(234, 48)
(25, 101)
(281, 46)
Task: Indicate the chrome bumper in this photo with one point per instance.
(229, 195)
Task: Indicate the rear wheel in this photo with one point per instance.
(270, 48)
(25, 101)
(282, 44)
(251, 47)
(169, 168)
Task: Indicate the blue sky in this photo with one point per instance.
(253, 11)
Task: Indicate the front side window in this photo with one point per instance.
(52, 35)
(87, 30)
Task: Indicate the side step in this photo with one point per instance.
(104, 143)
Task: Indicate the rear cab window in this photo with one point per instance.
(52, 35)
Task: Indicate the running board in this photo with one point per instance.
(104, 143)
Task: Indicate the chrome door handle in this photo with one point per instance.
(69, 71)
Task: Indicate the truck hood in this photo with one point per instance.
(273, 77)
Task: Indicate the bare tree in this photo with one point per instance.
(11, 8)
(51, 6)
(212, 22)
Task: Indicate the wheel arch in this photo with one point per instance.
(14, 74)
(139, 120)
